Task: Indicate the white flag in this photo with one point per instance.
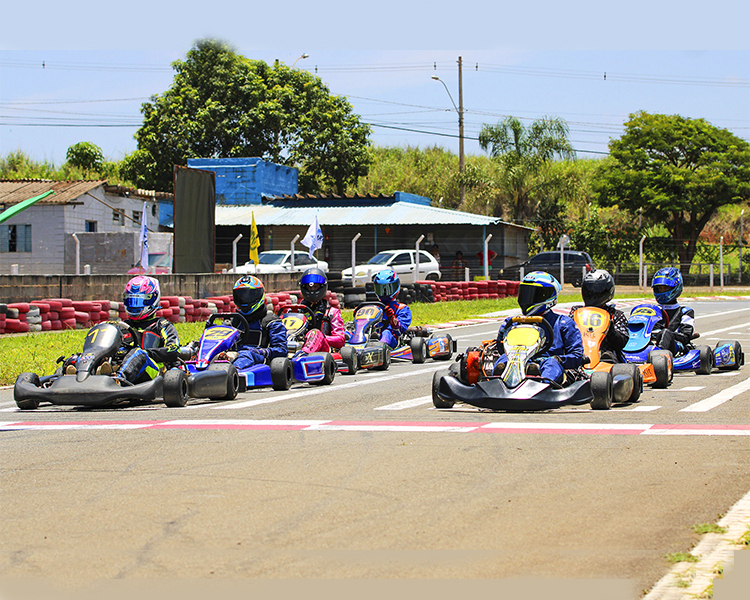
(143, 241)
(313, 238)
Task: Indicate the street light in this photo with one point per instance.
(303, 55)
(460, 111)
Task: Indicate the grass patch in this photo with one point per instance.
(708, 528)
(678, 557)
(745, 539)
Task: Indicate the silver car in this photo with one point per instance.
(401, 261)
(280, 261)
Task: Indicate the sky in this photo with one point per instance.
(71, 74)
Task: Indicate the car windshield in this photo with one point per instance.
(158, 260)
(271, 258)
(380, 259)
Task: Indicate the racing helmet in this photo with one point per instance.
(250, 297)
(667, 285)
(313, 285)
(141, 298)
(387, 285)
(597, 288)
(537, 293)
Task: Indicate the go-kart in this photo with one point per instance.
(417, 344)
(644, 325)
(471, 379)
(104, 349)
(213, 376)
(625, 381)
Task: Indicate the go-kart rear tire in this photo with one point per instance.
(233, 379)
(418, 350)
(282, 373)
(601, 389)
(740, 358)
(437, 401)
(386, 357)
(349, 358)
(661, 359)
(329, 369)
(634, 373)
(175, 388)
(448, 356)
(27, 403)
(706, 357)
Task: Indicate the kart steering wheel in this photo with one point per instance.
(236, 320)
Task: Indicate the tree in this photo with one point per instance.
(523, 152)
(679, 171)
(221, 104)
(85, 155)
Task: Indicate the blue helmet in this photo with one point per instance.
(537, 293)
(387, 285)
(667, 285)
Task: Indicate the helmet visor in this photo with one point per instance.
(530, 295)
(247, 296)
(137, 301)
(386, 289)
(311, 278)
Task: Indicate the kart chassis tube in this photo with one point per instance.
(531, 394)
(96, 390)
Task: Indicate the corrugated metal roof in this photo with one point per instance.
(392, 213)
(13, 191)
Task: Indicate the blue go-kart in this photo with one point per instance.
(644, 323)
(211, 377)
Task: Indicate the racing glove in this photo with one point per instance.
(391, 314)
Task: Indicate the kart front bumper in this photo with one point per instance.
(95, 390)
(531, 394)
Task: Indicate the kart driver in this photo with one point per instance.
(387, 286)
(598, 288)
(142, 298)
(327, 331)
(267, 337)
(537, 294)
(667, 287)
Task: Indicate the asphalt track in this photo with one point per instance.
(365, 480)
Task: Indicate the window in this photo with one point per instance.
(15, 238)
(404, 258)
(136, 219)
(90, 227)
(118, 218)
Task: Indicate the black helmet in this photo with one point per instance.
(314, 285)
(597, 288)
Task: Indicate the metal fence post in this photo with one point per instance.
(354, 258)
(487, 258)
(296, 237)
(416, 258)
(234, 253)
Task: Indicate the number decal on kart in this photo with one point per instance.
(645, 311)
(293, 322)
(368, 312)
(217, 333)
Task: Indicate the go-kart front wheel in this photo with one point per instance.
(437, 401)
(662, 363)
(282, 373)
(349, 358)
(601, 389)
(418, 350)
(175, 388)
(27, 403)
(706, 358)
(739, 357)
(386, 357)
(329, 369)
(233, 379)
(633, 372)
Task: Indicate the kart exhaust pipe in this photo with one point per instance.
(207, 384)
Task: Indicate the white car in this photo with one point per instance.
(280, 261)
(401, 261)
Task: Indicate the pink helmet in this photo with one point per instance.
(141, 297)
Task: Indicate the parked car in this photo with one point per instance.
(574, 263)
(158, 264)
(280, 261)
(402, 262)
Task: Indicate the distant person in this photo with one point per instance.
(490, 256)
(435, 251)
(459, 266)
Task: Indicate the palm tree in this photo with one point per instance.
(523, 153)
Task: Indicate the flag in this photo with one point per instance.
(254, 241)
(143, 241)
(313, 238)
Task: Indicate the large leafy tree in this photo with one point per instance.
(523, 153)
(221, 104)
(677, 172)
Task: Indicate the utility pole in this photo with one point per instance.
(461, 129)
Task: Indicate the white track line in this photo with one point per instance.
(718, 399)
(414, 402)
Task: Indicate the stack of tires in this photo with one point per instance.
(349, 296)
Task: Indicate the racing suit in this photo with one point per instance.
(398, 317)
(676, 336)
(266, 340)
(617, 334)
(143, 364)
(327, 330)
(566, 351)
